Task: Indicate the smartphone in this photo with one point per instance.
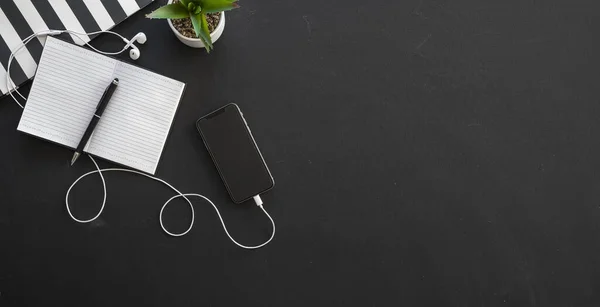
(234, 152)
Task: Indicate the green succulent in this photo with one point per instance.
(196, 10)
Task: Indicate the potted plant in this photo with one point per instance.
(196, 23)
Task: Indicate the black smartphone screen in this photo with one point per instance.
(235, 153)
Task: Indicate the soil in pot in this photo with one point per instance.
(186, 28)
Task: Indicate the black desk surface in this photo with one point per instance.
(426, 153)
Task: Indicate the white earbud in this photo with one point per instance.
(140, 38)
(134, 53)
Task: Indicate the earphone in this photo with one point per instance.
(139, 38)
(134, 53)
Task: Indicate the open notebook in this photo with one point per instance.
(67, 88)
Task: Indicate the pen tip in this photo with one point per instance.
(75, 156)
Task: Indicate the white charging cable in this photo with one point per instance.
(257, 200)
(141, 38)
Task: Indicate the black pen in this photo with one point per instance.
(99, 110)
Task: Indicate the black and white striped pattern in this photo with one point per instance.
(21, 18)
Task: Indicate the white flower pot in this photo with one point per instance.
(196, 42)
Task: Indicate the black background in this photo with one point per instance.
(426, 153)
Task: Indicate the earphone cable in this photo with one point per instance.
(11, 87)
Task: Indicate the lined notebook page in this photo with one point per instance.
(67, 88)
(135, 125)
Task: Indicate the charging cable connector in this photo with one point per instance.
(258, 200)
